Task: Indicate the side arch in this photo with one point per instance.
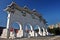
(38, 29)
(29, 26)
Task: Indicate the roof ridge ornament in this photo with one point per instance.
(11, 4)
(34, 10)
(25, 7)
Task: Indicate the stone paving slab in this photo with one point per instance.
(35, 38)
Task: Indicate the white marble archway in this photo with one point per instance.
(22, 16)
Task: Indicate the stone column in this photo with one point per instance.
(31, 32)
(44, 32)
(8, 21)
(40, 33)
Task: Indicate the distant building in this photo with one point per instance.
(59, 25)
(51, 26)
(54, 26)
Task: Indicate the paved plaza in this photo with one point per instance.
(36, 38)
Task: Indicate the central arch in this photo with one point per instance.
(28, 30)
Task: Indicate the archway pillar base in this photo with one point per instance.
(31, 33)
(40, 33)
(5, 33)
(20, 33)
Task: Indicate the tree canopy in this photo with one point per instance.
(55, 31)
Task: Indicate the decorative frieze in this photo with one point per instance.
(23, 13)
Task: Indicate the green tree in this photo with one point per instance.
(55, 31)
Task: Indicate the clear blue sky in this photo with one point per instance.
(50, 9)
